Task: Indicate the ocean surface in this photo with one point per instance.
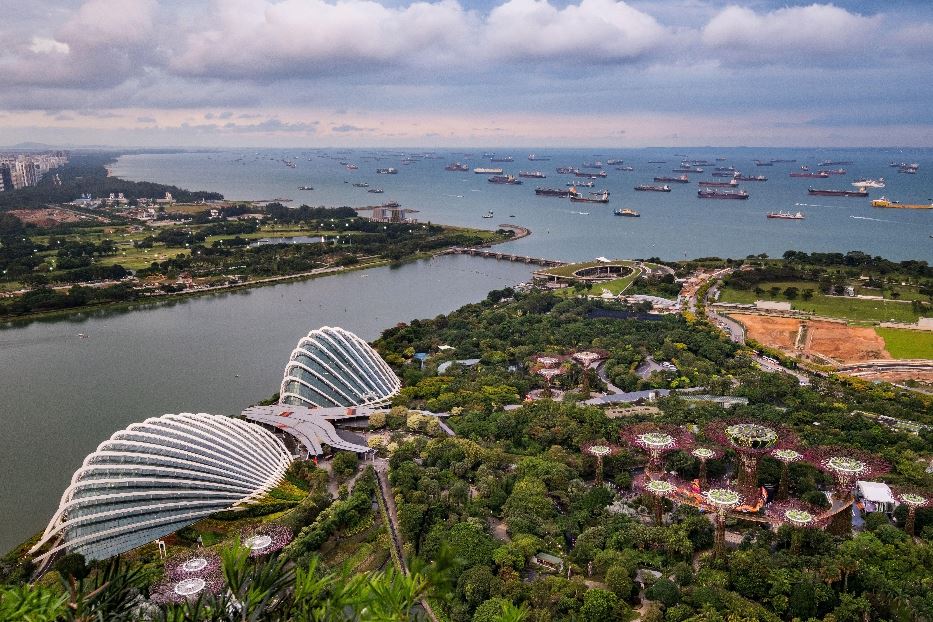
(674, 225)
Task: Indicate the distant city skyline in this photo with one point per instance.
(517, 73)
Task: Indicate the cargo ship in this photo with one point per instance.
(657, 161)
(457, 166)
(836, 171)
(721, 194)
(595, 197)
(834, 163)
(537, 158)
(625, 168)
(741, 177)
(362, 184)
(651, 188)
(861, 192)
(786, 215)
(683, 179)
(505, 179)
(725, 174)
(810, 175)
(869, 183)
(883, 202)
(596, 164)
(614, 162)
(501, 159)
(566, 170)
(386, 171)
(487, 171)
(591, 174)
(732, 183)
(350, 167)
(687, 169)
(763, 163)
(723, 169)
(376, 190)
(583, 184)
(552, 192)
(532, 174)
(626, 212)
(306, 187)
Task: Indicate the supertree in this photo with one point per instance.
(720, 501)
(786, 457)
(704, 453)
(657, 440)
(847, 465)
(913, 499)
(750, 441)
(660, 489)
(798, 516)
(600, 450)
(266, 539)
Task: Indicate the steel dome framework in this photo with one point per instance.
(333, 367)
(158, 476)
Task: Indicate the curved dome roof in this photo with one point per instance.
(333, 367)
(155, 477)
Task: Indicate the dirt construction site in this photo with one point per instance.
(814, 339)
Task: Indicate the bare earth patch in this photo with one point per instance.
(775, 332)
(847, 344)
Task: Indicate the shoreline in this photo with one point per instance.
(160, 299)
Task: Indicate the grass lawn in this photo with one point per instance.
(907, 344)
(569, 269)
(829, 306)
(616, 287)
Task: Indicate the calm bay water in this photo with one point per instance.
(673, 225)
(62, 395)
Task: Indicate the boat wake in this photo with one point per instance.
(896, 222)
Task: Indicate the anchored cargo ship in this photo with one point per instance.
(595, 197)
(626, 212)
(591, 174)
(501, 159)
(505, 179)
(386, 171)
(552, 192)
(583, 184)
(741, 177)
(786, 215)
(457, 166)
(883, 202)
(869, 183)
(566, 170)
(683, 179)
(721, 194)
(732, 183)
(537, 158)
(861, 192)
(808, 174)
(487, 171)
(652, 188)
(532, 174)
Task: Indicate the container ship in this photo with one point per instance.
(741, 177)
(505, 179)
(810, 174)
(721, 194)
(387, 171)
(626, 212)
(732, 183)
(786, 215)
(552, 192)
(487, 171)
(683, 179)
(652, 188)
(532, 174)
(861, 192)
(595, 197)
(457, 166)
(567, 170)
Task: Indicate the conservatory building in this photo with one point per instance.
(158, 476)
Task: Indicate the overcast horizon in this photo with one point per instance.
(494, 73)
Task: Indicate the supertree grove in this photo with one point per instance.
(846, 465)
(798, 516)
(720, 501)
(600, 450)
(704, 454)
(785, 457)
(914, 500)
(750, 441)
(657, 440)
(659, 489)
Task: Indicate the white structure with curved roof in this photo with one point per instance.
(333, 367)
(158, 476)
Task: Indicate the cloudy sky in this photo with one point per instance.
(531, 73)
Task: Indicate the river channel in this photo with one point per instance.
(62, 394)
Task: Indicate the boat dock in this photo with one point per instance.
(493, 254)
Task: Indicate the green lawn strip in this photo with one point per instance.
(907, 344)
(855, 309)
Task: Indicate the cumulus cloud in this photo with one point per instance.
(346, 128)
(789, 32)
(601, 30)
(44, 45)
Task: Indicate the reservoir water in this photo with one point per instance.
(62, 395)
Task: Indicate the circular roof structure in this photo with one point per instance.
(333, 367)
(158, 476)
